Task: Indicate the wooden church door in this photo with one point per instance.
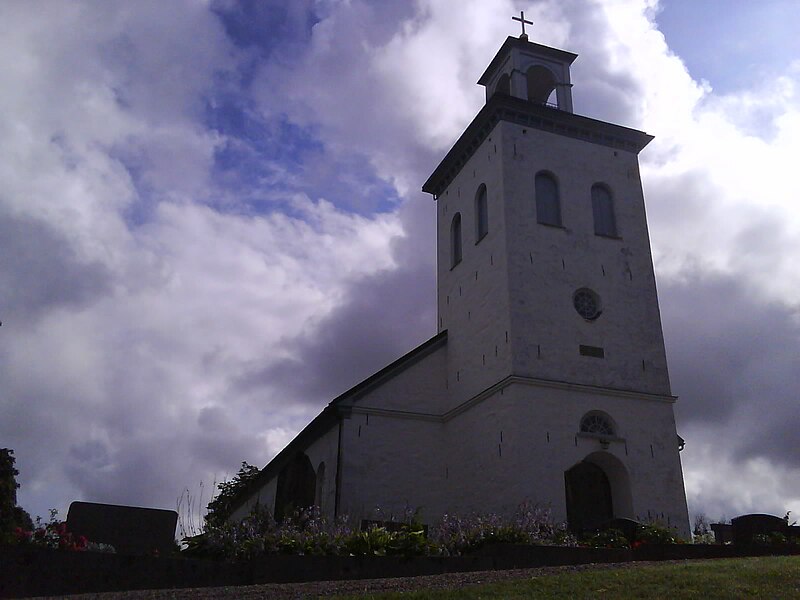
(588, 497)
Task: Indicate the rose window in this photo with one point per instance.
(587, 303)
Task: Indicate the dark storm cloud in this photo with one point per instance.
(40, 271)
(383, 317)
(147, 467)
(133, 478)
(733, 362)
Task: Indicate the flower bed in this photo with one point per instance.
(308, 533)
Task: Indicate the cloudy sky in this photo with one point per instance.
(211, 221)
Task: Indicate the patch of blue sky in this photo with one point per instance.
(732, 44)
(264, 163)
(261, 28)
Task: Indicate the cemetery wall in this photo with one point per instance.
(28, 572)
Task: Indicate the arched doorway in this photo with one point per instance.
(295, 487)
(589, 500)
(597, 489)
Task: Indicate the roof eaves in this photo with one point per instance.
(501, 107)
(561, 55)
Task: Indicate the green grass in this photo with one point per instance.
(762, 577)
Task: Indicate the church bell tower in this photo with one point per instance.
(546, 282)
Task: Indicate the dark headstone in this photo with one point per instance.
(130, 529)
(746, 527)
(723, 532)
(628, 527)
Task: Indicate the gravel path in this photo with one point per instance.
(323, 589)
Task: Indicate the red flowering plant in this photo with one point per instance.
(54, 534)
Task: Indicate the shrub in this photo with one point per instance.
(774, 538)
(607, 538)
(654, 534)
(220, 507)
(54, 535)
(530, 524)
(12, 517)
(305, 532)
(308, 532)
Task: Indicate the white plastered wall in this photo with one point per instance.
(548, 264)
(391, 464)
(473, 295)
(538, 426)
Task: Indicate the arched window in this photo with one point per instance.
(548, 206)
(597, 422)
(481, 213)
(455, 240)
(295, 488)
(603, 211)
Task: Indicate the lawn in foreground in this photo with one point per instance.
(759, 577)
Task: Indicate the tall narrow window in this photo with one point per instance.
(548, 207)
(603, 211)
(455, 240)
(481, 214)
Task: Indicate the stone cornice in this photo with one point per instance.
(501, 107)
(501, 385)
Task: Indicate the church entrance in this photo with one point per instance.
(589, 502)
(296, 486)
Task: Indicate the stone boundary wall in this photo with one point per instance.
(40, 572)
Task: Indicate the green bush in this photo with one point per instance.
(655, 534)
(770, 539)
(608, 538)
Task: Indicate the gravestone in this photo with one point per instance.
(130, 529)
(628, 527)
(723, 532)
(746, 527)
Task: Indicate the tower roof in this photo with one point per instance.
(561, 56)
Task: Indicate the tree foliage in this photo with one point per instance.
(11, 515)
(221, 506)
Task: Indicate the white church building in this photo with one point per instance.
(547, 380)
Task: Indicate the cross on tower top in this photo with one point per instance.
(522, 22)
